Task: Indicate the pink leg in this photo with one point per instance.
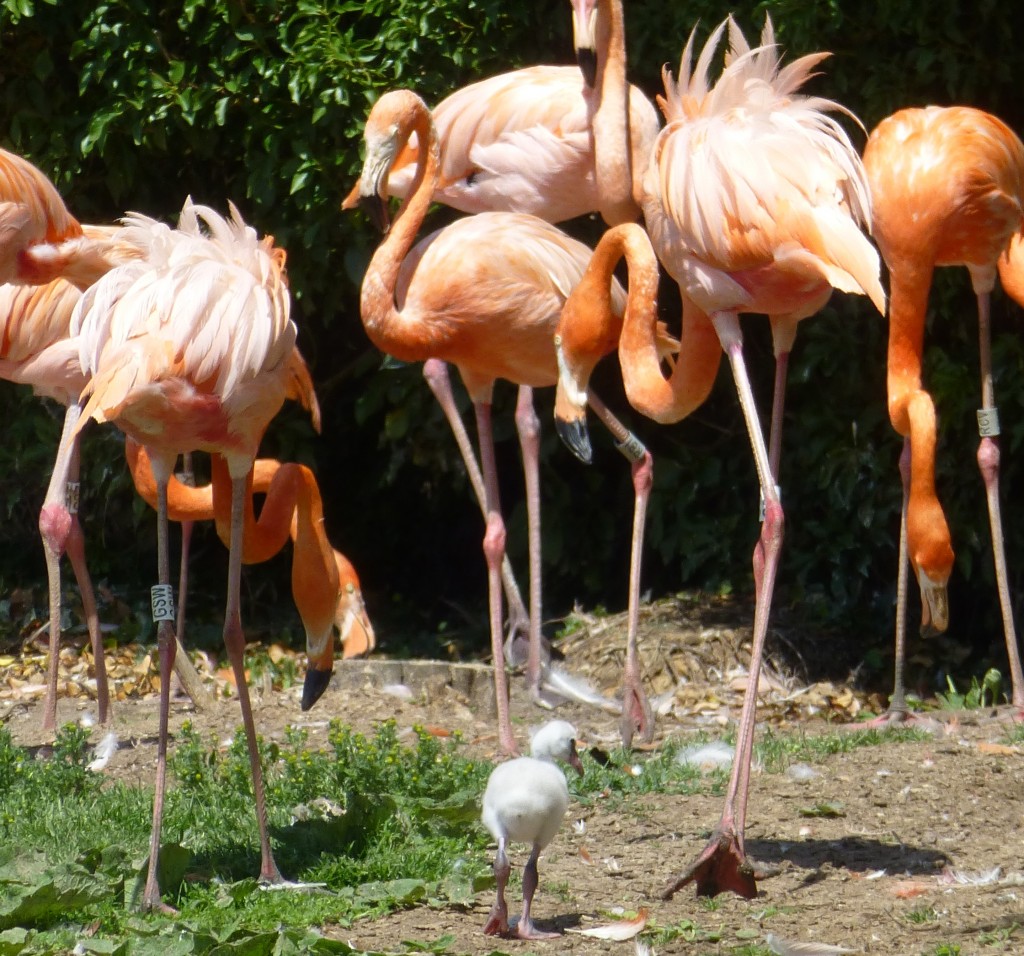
(435, 372)
(525, 928)
(234, 641)
(166, 648)
(898, 712)
(494, 551)
(497, 922)
(637, 717)
(723, 864)
(528, 427)
(988, 463)
(55, 527)
(76, 554)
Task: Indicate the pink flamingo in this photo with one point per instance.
(754, 196)
(191, 348)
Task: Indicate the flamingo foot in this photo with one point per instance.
(525, 929)
(637, 716)
(894, 717)
(497, 924)
(721, 866)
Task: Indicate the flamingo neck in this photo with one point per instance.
(908, 305)
(611, 118)
(648, 390)
(388, 327)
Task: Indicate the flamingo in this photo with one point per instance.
(484, 293)
(947, 186)
(34, 324)
(326, 601)
(191, 348)
(556, 142)
(754, 200)
(525, 801)
(40, 240)
(553, 141)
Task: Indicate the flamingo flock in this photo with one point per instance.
(752, 197)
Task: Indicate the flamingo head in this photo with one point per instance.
(584, 35)
(391, 123)
(353, 623)
(571, 397)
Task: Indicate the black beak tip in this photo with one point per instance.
(314, 686)
(575, 436)
(586, 58)
(377, 209)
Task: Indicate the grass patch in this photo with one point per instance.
(380, 823)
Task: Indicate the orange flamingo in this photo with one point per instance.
(484, 293)
(754, 196)
(947, 187)
(292, 507)
(192, 348)
(544, 141)
(39, 238)
(590, 328)
(35, 350)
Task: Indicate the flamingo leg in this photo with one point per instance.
(988, 464)
(723, 864)
(497, 922)
(528, 427)
(637, 717)
(76, 555)
(525, 928)
(234, 641)
(167, 647)
(435, 372)
(494, 552)
(185, 674)
(55, 523)
(898, 712)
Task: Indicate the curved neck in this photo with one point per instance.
(389, 329)
(649, 392)
(611, 118)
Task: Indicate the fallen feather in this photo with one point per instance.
(783, 947)
(575, 688)
(981, 878)
(105, 749)
(619, 930)
(402, 691)
(706, 757)
(802, 772)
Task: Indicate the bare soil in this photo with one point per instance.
(925, 851)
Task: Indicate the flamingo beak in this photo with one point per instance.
(376, 208)
(574, 760)
(354, 627)
(314, 685)
(934, 606)
(576, 436)
(584, 35)
(319, 666)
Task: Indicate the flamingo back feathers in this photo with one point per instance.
(749, 166)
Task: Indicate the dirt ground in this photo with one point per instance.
(925, 852)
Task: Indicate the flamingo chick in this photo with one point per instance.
(525, 802)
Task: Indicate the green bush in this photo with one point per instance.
(134, 106)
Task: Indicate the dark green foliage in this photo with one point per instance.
(133, 106)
